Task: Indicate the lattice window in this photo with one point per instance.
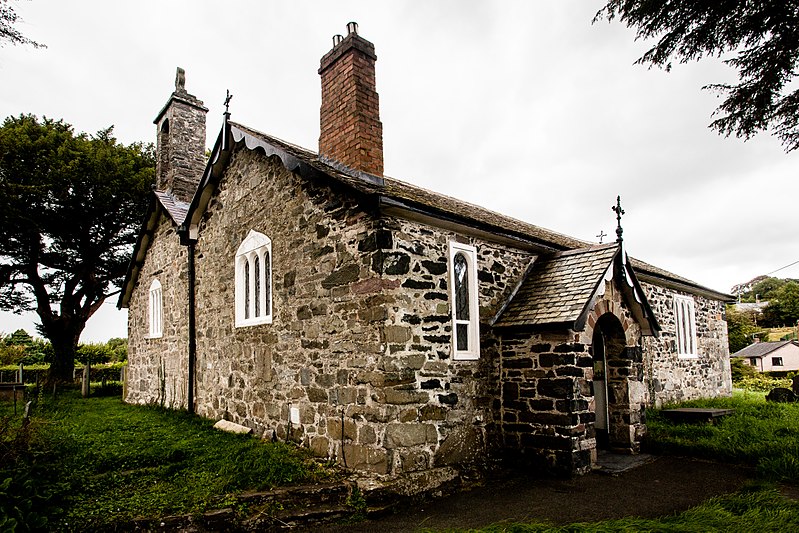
(464, 303)
(685, 317)
(254, 280)
(156, 310)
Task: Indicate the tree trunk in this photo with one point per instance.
(63, 365)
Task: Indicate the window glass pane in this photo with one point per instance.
(246, 289)
(461, 288)
(257, 280)
(462, 336)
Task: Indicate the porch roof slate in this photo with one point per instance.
(558, 287)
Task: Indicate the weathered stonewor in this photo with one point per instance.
(361, 327)
(673, 378)
(157, 367)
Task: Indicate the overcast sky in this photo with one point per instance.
(523, 107)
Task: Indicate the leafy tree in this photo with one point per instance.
(741, 369)
(119, 349)
(783, 307)
(70, 206)
(93, 353)
(763, 290)
(741, 329)
(8, 33)
(19, 338)
(760, 40)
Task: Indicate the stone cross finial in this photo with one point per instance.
(228, 98)
(180, 81)
(601, 235)
(619, 212)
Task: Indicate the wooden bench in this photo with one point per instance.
(695, 415)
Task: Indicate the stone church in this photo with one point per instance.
(310, 297)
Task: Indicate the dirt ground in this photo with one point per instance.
(661, 487)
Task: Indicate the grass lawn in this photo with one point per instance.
(761, 434)
(92, 463)
(89, 464)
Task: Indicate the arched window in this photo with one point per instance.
(156, 310)
(464, 303)
(685, 320)
(254, 280)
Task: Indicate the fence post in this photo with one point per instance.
(20, 373)
(85, 385)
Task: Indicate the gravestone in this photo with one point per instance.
(781, 395)
(795, 385)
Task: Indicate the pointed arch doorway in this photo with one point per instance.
(611, 401)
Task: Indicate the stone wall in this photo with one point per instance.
(359, 346)
(158, 367)
(671, 378)
(547, 404)
(544, 402)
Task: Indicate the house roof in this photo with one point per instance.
(757, 307)
(562, 288)
(176, 209)
(389, 193)
(761, 349)
(391, 196)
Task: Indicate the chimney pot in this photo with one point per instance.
(337, 39)
(352, 27)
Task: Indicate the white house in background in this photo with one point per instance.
(782, 356)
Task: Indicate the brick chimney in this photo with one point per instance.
(350, 128)
(180, 149)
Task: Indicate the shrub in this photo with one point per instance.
(761, 382)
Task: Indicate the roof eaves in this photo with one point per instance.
(139, 251)
(658, 276)
(389, 202)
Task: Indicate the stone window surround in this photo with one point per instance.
(156, 310)
(255, 245)
(685, 325)
(469, 253)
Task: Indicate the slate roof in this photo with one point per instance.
(557, 289)
(400, 193)
(388, 193)
(760, 349)
(176, 208)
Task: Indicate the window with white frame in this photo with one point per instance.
(156, 310)
(685, 316)
(776, 361)
(464, 303)
(254, 280)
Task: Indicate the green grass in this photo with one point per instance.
(762, 434)
(111, 462)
